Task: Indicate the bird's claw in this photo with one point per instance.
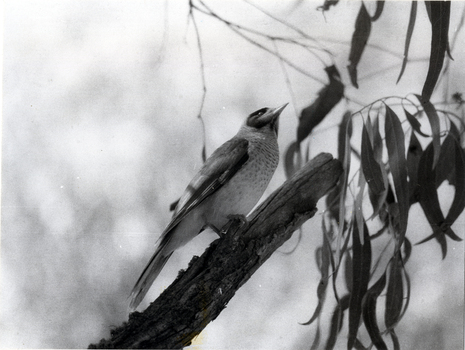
(239, 217)
(234, 219)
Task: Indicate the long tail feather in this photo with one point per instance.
(151, 271)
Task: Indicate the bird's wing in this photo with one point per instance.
(217, 170)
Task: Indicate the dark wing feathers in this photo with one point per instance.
(217, 170)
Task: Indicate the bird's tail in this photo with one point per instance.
(151, 271)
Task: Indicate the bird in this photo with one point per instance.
(228, 185)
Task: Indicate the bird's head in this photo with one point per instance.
(265, 119)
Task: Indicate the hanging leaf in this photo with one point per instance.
(440, 234)
(369, 313)
(394, 293)
(408, 37)
(321, 294)
(454, 131)
(377, 142)
(414, 123)
(371, 168)
(348, 233)
(413, 158)
(446, 162)
(428, 11)
(395, 340)
(407, 250)
(380, 231)
(345, 177)
(450, 233)
(359, 41)
(459, 198)
(361, 264)
(441, 238)
(396, 152)
(307, 155)
(327, 4)
(323, 285)
(428, 198)
(337, 321)
(316, 340)
(428, 195)
(407, 288)
(435, 127)
(332, 202)
(290, 167)
(344, 131)
(348, 272)
(379, 10)
(358, 205)
(328, 97)
(358, 345)
(390, 196)
(377, 199)
(386, 211)
(439, 14)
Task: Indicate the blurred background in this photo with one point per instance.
(100, 135)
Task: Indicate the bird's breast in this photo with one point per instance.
(242, 192)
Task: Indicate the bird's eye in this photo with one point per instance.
(255, 119)
(259, 112)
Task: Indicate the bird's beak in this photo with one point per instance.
(272, 115)
(280, 109)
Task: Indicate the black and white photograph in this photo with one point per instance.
(233, 174)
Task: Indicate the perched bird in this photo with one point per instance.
(229, 184)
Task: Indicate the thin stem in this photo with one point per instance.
(374, 46)
(204, 84)
(238, 29)
(447, 62)
(289, 63)
(384, 70)
(297, 30)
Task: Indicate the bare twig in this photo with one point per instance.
(320, 46)
(204, 85)
(239, 30)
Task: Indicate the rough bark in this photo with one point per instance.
(200, 293)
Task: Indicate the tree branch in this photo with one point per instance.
(200, 293)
